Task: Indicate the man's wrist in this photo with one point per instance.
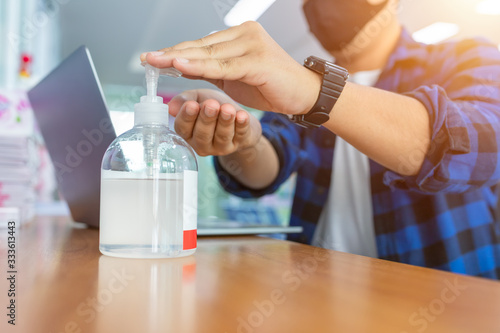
(244, 149)
(313, 88)
(333, 80)
(233, 162)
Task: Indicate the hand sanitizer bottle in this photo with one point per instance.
(149, 186)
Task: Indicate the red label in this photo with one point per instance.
(189, 240)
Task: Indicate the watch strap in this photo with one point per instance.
(334, 79)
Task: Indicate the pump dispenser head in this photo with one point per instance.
(151, 109)
(152, 75)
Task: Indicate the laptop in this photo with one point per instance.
(72, 115)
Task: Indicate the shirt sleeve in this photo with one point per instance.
(465, 123)
(285, 138)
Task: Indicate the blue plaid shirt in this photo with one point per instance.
(444, 216)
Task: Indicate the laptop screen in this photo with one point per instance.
(71, 112)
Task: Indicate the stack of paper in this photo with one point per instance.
(18, 159)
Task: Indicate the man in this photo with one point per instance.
(429, 126)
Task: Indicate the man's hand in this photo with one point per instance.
(247, 64)
(212, 123)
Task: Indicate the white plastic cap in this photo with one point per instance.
(151, 111)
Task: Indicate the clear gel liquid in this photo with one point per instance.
(142, 217)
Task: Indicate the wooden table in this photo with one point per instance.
(232, 284)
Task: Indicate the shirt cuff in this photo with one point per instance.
(449, 138)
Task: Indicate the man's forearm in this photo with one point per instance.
(255, 167)
(392, 129)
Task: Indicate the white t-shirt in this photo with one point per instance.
(346, 222)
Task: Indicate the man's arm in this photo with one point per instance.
(392, 129)
(252, 68)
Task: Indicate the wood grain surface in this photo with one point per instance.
(231, 284)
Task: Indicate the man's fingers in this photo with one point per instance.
(194, 64)
(176, 103)
(227, 113)
(224, 132)
(216, 41)
(216, 37)
(159, 61)
(213, 51)
(203, 132)
(218, 83)
(186, 119)
(233, 69)
(242, 126)
(225, 55)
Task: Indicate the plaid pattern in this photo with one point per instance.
(443, 217)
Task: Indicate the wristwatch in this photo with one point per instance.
(334, 80)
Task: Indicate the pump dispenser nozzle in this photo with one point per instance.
(151, 109)
(152, 75)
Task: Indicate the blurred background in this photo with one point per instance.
(35, 35)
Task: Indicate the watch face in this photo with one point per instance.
(317, 118)
(311, 120)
